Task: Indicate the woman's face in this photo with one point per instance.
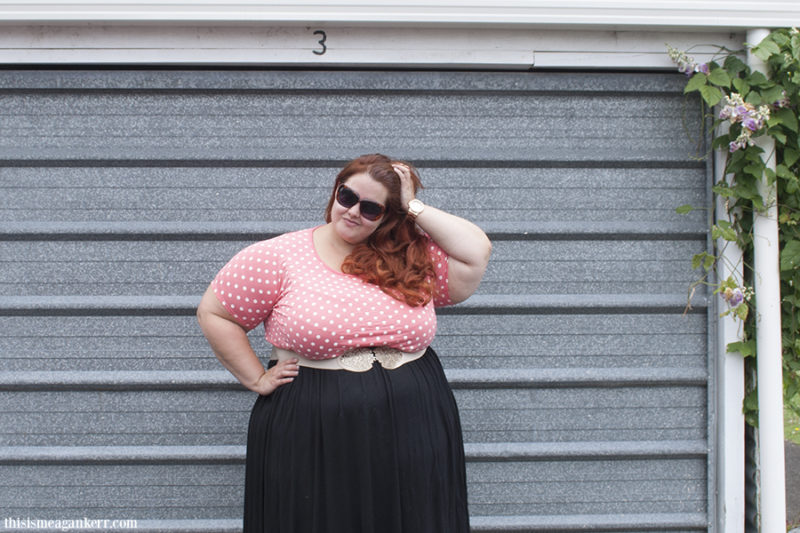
(348, 223)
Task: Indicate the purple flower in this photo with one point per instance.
(740, 142)
(733, 296)
(736, 297)
(702, 67)
(741, 110)
(751, 124)
(725, 113)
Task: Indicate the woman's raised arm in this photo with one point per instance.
(467, 245)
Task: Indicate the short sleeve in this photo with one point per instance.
(439, 258)
(250, 284)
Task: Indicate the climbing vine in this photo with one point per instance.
(752, 103)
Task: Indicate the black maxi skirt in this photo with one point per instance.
(357, 452)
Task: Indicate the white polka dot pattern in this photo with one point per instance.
(313, 310)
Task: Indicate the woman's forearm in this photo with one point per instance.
(460, 238)
(467, 246)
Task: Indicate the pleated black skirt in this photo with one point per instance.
(357, 452)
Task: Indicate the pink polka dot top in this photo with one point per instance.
(311, 309)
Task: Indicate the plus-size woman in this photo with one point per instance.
(355, 429)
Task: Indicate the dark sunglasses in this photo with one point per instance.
(347, 198)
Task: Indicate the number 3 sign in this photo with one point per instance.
(321, 42)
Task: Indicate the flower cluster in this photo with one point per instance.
(735, 296)
(752, 119)
(686, 64)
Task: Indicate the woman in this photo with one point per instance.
(355, 428)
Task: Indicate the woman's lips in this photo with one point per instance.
(350, 222)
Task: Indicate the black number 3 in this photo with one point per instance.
(321, 42)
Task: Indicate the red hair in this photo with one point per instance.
(395, 256)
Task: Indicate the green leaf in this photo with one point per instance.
(747, 188)
(772, 95)
(771, 46)
(786, 117)
(750, 409)
(719, 77)
(709, 262)
(753, 97)
(784, 172)
(778, 135)
(720, 141)
(791, 389)
(723, 190)
(734, 65)
(741, 86)
(682, 210)
(768, 47)
(694, 84)
(790, 256)
(723, 230)
(790, 156)
(761, 53)
(729, 234)
(741, 311)
(697, 259)
(758, 78)
(751, 401)
(703, 258)
(756, 170)
(745, 348)
(779, 38)
(711, 95)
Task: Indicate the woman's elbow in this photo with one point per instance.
(208, 309)
(487, 252)
(484, 253)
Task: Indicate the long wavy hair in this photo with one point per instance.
(395, 256)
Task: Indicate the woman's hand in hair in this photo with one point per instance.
(407, 189)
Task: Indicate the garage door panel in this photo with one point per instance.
(186, 267)
(585, 390)
(137, 125)
(530, 341)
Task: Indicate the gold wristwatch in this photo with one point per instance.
(415, 207)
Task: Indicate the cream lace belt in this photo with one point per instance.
(355, 360)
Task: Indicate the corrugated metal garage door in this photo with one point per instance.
(583, 389)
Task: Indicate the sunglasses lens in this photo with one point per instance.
(371, 210)
(346, 197)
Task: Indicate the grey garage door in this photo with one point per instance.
(583, 387)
